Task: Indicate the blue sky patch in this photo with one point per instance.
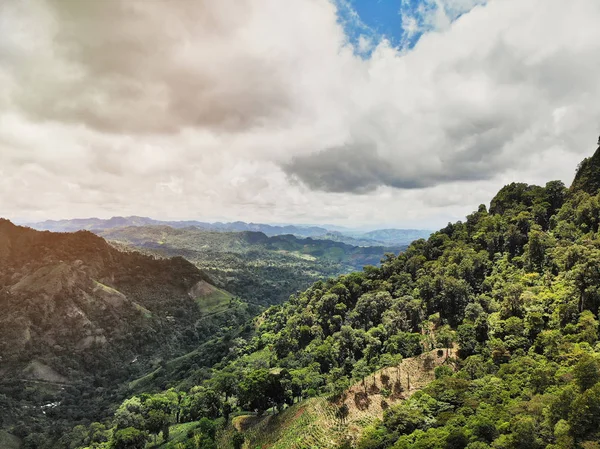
(401, 22)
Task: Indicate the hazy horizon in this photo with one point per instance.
(328, 226)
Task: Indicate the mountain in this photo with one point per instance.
(119, 222)
(399, 238)
(79, 318)
(396, 237)
(336, 236)
(269, 230)
(262, 269)
(79, 224)
(383, 237)
(486, 335)
(587, 178)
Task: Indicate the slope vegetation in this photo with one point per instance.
(79, 317)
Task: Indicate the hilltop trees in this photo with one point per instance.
(128, 438)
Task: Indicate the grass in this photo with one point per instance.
(112, 291)
(8, 441)
(142, 309)
(307, 425)
(177, 434)
(216, 301)
(36, 370)
(143, 383)
(107, 289)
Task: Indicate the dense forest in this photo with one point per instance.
(509, 299)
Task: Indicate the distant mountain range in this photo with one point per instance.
(378, 237)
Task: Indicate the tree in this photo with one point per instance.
(446, 336)
(130, 414)
(226, 383)
(361, 371)
(584, 418)
(466, 337)
(260, 390)
(207, 427)
(238, 440)
(403, 419)
(535, 250)
(442, 371)
(587, 372)
(457, 439)
(587, 327)
(157, 410)
(342, 412)
(157, 421)
(129, 438)
(524, 433)
(202, 402)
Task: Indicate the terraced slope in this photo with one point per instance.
(317, 423)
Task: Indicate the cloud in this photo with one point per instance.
(423, 16)
(358, 168)
(353, 168)
(147, 67)
(455, 108)
(263, 110)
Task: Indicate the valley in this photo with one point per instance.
(263, 270)
(87, 323)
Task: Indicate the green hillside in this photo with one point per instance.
(81, 321)
(483, 336)
(516, 290)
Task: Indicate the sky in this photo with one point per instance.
(379, 113)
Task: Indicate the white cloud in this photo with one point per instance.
(260, 110)
(433, 15)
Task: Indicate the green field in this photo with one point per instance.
(8, 441)
(310, 424)
(216, 301)
(177, 434)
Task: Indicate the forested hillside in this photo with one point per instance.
(80, 319)
(264, 270)
(514, 288)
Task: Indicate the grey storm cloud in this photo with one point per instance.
(359, 168)
(352, 168)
